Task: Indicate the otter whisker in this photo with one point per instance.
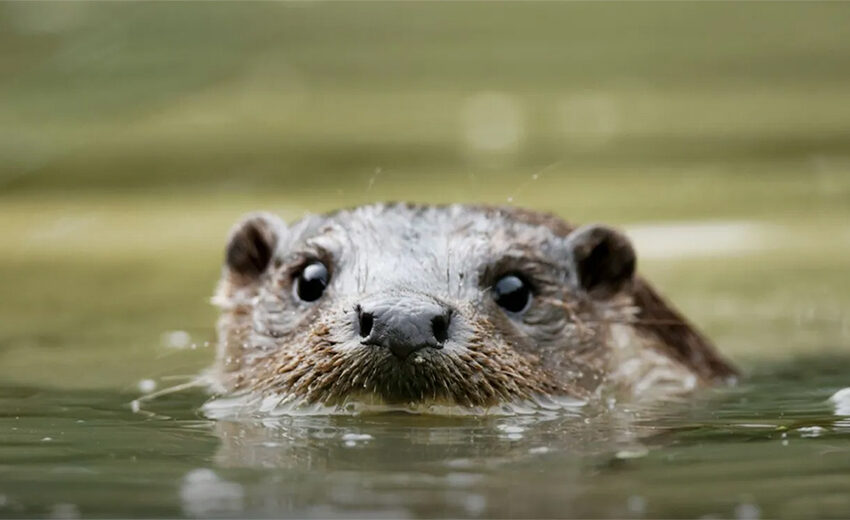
(197, 382)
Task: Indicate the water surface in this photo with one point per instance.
(773, 447)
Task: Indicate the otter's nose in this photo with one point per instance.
(404, 324)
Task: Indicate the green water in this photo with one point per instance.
(132, 136)
(771, 448)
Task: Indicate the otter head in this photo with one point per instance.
(453, 305)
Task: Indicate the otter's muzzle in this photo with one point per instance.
(403, 324)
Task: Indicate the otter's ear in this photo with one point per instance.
(251, 246)
(603, 260)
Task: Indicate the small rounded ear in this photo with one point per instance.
(251, 245)
(603, 260)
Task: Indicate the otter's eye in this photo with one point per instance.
(311, 283)
(512, 293)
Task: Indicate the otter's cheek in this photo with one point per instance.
(462, 334)
(339, 329)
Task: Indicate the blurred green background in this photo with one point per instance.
(132, 135)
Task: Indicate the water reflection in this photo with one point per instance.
(776, 446)
(403, 465)
(746, 452)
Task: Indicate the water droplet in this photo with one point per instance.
(811, 431)
(747, 512)
(841, 400)
(147, 386)
(636, 504)
(178, 339)
(475, 504)
(203, 493)
(493, 122)
(353, 439)
(64, 511)
(632, 452)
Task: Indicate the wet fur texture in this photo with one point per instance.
(571, 341)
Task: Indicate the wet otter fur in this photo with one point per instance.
(402, 303)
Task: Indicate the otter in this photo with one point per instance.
(457, 305)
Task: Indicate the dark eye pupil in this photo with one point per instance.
(512, 294)
(312, 281)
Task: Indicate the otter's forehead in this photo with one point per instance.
(411, 247)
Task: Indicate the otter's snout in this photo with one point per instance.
(403, 324)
